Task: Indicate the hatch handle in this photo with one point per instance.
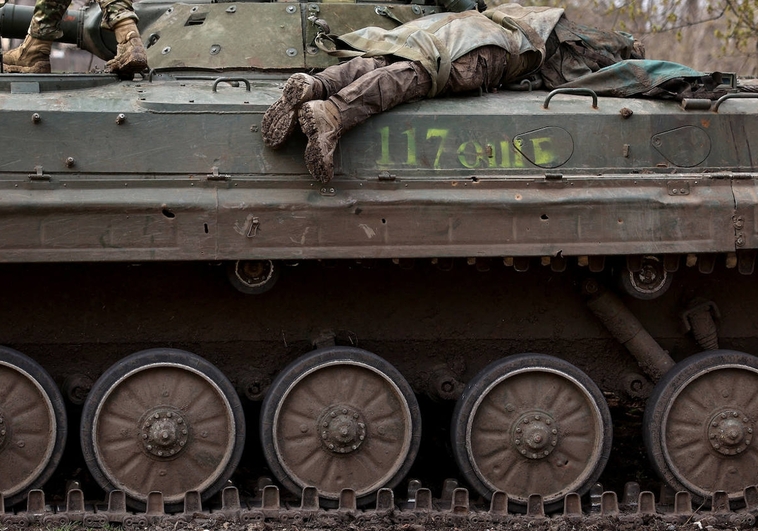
(740, 95)
(576, 91)
(231, 80)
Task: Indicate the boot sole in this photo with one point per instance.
(280, 119)
(42, 67)
(314, 157)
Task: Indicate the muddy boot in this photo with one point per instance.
(280, 119)
(320, 121)
(131, 56)
(32, 57)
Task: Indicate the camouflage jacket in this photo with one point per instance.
(438, 40)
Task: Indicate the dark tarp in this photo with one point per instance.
(655, 79)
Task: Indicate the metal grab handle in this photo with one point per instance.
(577, 91)
(231, 80)
(732, 96)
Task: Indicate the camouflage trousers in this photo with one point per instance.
(48, 14)
(362, 87)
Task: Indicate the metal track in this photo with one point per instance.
(454, 508)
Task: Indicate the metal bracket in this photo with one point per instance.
(39, 175)
(678, 187)
(327, 191)
(255, 224)
(216, 176)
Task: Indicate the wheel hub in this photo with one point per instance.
(342, 428)
(3, 432)
(730, 432)
(535, 434)
(164, 432)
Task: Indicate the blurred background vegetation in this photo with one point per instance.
(708, 35)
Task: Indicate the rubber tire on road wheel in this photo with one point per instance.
(42, 380)
(329, 384)
(694, 390)
(152, 382)
(493, 425)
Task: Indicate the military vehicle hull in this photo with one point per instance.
(517, 271)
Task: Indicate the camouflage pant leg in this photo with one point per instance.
(380, 89)
(339, 76)
(114, 11)
(46, 21)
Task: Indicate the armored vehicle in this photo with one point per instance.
(184, 308)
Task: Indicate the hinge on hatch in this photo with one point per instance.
(216, 176)
(38, 175)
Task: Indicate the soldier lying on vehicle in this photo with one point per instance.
(450, 53)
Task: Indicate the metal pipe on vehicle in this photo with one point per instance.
(628, 330)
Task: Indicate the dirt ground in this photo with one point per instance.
(698, 522)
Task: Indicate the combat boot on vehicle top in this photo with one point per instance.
(131, 56)
(32, 57)
(320, 121)
(280, 119)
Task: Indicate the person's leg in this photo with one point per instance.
(280, 119)
(376, 91)
(119, 16)
(33, 56)
(336, 77)
(480, 68)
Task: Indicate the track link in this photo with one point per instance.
(454, 509)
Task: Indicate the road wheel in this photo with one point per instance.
(700, 424)
(162, 420)
(531, 424)
(33, 425)
(340, 417)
